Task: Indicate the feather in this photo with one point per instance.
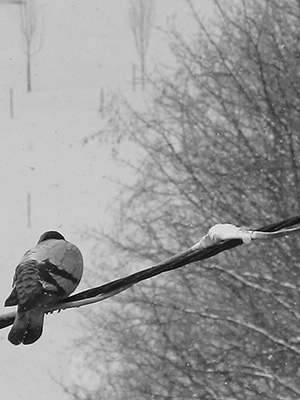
(27, 327)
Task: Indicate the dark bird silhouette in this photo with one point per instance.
(46, 274)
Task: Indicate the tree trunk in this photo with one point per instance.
(28, 72)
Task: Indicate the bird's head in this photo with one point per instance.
(51, 235)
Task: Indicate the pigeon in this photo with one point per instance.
(47, 274)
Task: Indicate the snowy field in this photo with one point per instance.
(86, 45)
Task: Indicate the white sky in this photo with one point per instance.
(87, 44)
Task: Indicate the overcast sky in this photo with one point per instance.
(86, 45)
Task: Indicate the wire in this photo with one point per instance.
(193, 254)
(186, 257)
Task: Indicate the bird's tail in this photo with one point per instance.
(27, 327)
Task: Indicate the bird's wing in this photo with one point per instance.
(28, 288)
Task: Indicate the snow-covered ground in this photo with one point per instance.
(86, 45)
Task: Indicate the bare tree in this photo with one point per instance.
(32, 35)
(141, 14)
(219, 143)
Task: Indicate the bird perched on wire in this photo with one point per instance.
(46, 274)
